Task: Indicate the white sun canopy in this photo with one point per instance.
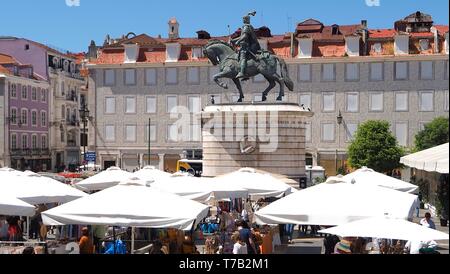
(35, 189)
(386, 228)
(105, 179)
(256, 183)
(366, 176)
(151, 173)
(11, 206)
(335, 204)
(131, 204)
(432, 160)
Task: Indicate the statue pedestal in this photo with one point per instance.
(265, 136)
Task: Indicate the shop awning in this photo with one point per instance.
(432, 160)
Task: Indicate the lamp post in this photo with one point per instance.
(149, 139)
(339, 121)
(84, 114)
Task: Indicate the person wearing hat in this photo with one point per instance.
(86, 244)
(344, 246)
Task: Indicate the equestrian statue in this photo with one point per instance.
(248, 60)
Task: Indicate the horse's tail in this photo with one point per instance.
(285, 74)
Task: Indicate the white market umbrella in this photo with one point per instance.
(105, 179)
(131, 204)
(386, 228)
(9, 171)
(36, 189)
(11, 206)
(151, 173)
(432, 160)
(366, 176)
(256, 183)
(336, 204)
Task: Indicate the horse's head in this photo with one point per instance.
(215, 49)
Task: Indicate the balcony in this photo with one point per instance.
(30, 152)
(72, 97)
(71, 143)
(73, 122)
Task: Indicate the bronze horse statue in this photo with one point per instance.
(265, 63)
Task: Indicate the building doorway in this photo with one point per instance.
(108, 164)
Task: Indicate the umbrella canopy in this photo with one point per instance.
(151, 173)
(11, 206)
(9, 171)
(338, 203)
(366, 176)
(432, 160)
(133, 203)
(36, 189)
(198, 189)
(105, 179)
(256, 183)
(386, 228)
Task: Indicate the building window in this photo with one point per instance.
(401, 133)
(352, 72)
(426, 70)
(110, 133)
(43, 95)
(328, 132)
(305, 100)
(24, 117)
(150, 77)
(446, 100)
(195, 133)
(43, 142)
(172, 133)
(43, 119)
(211, 72)
(172, 104)
(110, 105)
(150, 104)
(194, 104)
(377, 48)
(24, 141)
(24, 93)
(401, 70)
(376, 101)
(152, 133)
(197, 53)
(130, 77)
(63, 112)
(446, 69)
(328, 102)
(13, 91)
(34, 142)
(110, 77)
(130, 105)
(376, 71)
(424, 44)
(426, 100)
(34, 118)
(217, 99)
(401, 100)
(33, 94)
(171, 76)
(13, 116)
(63, 93)
(130, 133)
(62, 135)
(193, 75)
(308, 133)
(13, 141)
(328, 72)
(350, 130)
(304, 73)
(352, 101)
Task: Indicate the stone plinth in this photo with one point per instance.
(269, 137)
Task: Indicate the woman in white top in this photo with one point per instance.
(239, 247)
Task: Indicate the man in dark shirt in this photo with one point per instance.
(245, 234)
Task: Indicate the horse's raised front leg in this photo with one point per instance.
(239, 87)
(280, 81)
(269, 88)
(223, 74)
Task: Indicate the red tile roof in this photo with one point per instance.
(6, 59)
(441, 29)
(421, 35)
(4, 70)
(382, 33)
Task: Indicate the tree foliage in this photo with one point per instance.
(434, 134)
(375, 147)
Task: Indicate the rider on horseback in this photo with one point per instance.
(249, 45)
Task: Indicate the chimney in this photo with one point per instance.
(365, 37)
(364, 23)
(174, 29)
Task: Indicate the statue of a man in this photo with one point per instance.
(248, 43)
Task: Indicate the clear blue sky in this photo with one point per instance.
(72, 28)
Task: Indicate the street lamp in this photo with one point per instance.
(84, 114)
(339, 121)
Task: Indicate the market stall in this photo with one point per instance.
(105, 179)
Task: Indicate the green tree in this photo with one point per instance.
(375, 147)
(434, 134)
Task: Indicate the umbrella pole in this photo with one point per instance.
(28, 227)
(114, 239)
(132, 240)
